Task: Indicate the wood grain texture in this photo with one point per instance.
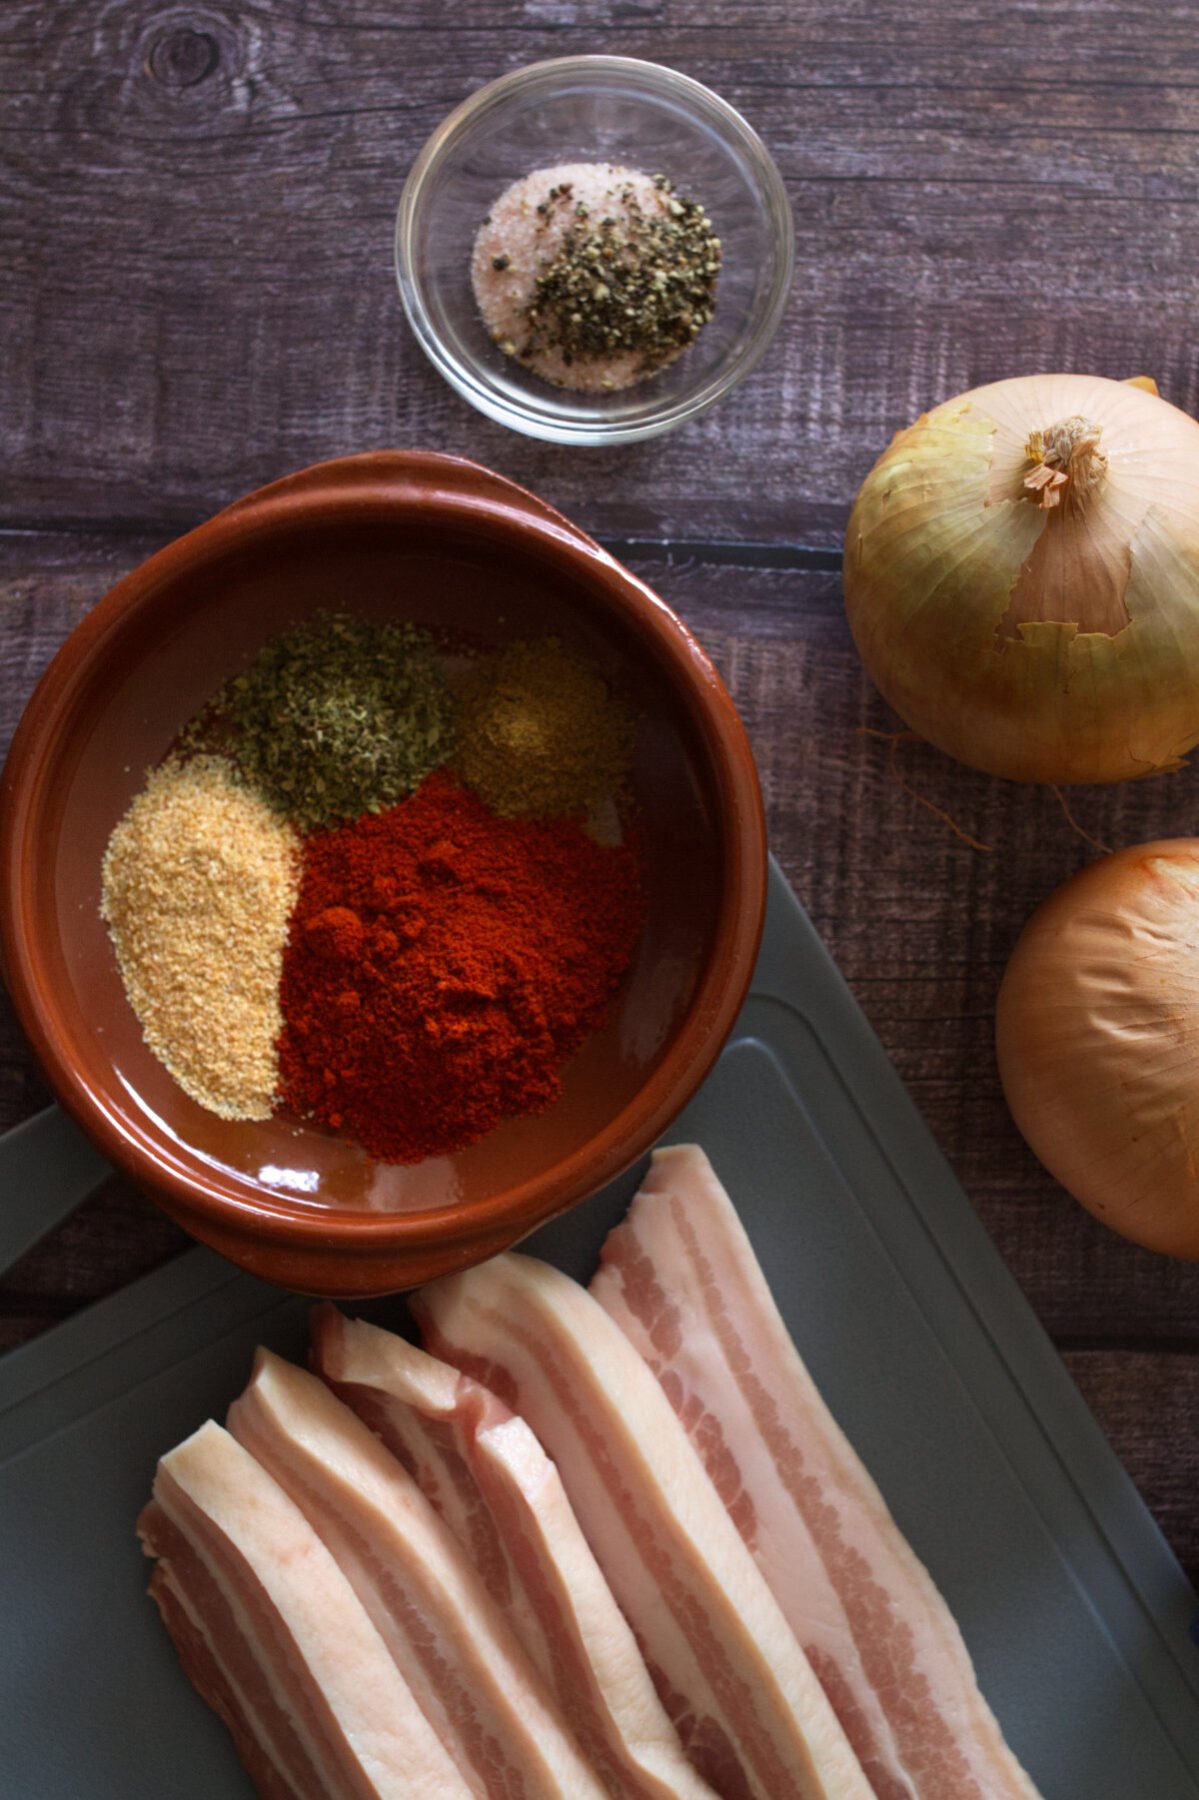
(1145, 1401)
(197, 295)
(920, 923)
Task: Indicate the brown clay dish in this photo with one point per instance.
(445, 542)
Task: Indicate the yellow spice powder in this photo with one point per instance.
(199, 880)
(539, 733)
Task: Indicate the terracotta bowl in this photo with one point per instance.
(444, 542)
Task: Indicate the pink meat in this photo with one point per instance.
(680, 1279)
(470, 1676)
(489, 1479)
(430, 1417)
(751, 1715)
(276, 1640)
(201, 1621)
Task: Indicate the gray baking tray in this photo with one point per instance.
(1077, 1615)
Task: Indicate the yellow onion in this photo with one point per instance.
(1022, 578)
(1098, 1039)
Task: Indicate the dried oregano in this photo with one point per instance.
(337, 717)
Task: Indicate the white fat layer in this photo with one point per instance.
(390, 1751)
(620, 1689)
(565, 1341)
(410, 1573)
(352, 1350)
(414, 1403)
(439, 1416)
(683, 1203)
(249, 1714)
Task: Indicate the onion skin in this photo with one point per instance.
(1041, 642)
(1097, 1033)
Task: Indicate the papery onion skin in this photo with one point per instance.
(1097, 1033)
(1086, 666)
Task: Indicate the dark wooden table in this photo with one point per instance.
(196, 296)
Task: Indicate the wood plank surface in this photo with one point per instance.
(196, 296)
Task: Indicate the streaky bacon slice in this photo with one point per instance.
(751, 1715)
(680, 1278)
(486, 1474)
(470, 1676)
(200, 1622)
(275, 1639)
(429, 1416)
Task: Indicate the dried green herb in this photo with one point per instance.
(338, 717)
(638, 282)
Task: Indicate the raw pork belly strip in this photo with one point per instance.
(430, 1417)
(274, 1638)
(751, 1715)
(470, 1677)
(223, 1664)
(681, 1280)
(490, 1480)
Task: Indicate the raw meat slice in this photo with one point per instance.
(276, 1639)
(485, 1473)
(429, 1416)
(469, 1674)
(680, 1278)
(751, 1715)
(201, 1624)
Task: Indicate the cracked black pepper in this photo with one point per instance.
(595, 276)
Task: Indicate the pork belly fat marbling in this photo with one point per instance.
(488, 1477)
(430, 1417)
(470, 1676)
(680, 1278)
(749, 1711)
(274, 1638)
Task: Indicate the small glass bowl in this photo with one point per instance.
(611, 109)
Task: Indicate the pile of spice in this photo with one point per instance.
(199, 881)
(340, 716)
(443, 964)
(310, 910)
(539, 732)
(595, 276)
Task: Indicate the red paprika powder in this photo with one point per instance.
(443, 964)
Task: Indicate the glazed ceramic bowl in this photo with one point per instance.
(594, 109)
(444, 542)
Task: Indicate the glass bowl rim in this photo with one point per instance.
(591, 429)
